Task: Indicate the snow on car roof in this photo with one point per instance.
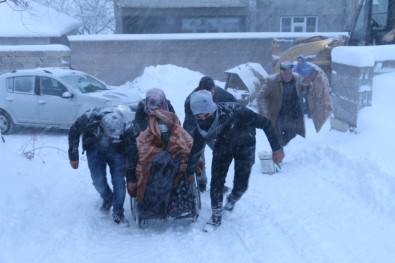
(58, 71)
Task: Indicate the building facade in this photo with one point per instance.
(366, 20)
(183, 16)
(204, 16)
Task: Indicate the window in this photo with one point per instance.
(84, 83)
(209, 25)
(299, 24)
(10, 84)
(21, 84)
(51, 87)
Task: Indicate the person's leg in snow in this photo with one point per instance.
(243, 160)
(97, 165)
(219, 170)
(116, 163)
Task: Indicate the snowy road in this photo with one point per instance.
(332, 202)
(322, 207)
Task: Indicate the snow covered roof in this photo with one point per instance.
(34, 20)
(363, 56)
(232, 35)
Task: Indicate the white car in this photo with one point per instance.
(55, 97)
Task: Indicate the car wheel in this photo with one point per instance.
(6, 124)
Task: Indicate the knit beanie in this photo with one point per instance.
(206, 83)
(202, 102)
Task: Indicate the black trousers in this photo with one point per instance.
(244, 158)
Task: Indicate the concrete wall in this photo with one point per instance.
(23, 59)
(119, 61)
(351, 91)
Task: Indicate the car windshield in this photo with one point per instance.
(85, 83)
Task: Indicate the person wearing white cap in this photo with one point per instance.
(231, 128)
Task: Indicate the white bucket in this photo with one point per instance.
(267, 164)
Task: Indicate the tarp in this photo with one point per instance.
(251, 74)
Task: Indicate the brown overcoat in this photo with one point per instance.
(149, 143)
(270, 98)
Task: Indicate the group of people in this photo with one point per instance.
(212, 117)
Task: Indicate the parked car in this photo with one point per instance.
(55, 97)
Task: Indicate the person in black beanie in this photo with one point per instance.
(219, 95)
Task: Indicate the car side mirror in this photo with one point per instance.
(67, 95)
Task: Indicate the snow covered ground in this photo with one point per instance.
(334, 200)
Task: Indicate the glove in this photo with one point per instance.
(278, 156)
(74, 164)
(132, 189)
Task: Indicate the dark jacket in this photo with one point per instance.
(140, 122)
(220, 95)
(87, 125)
(236, 127)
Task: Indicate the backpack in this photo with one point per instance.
(159, 185)
(111, 127)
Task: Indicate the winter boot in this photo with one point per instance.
(106, 205)
(215, 220)
(212, 224)
(230, 202)
(120, 220)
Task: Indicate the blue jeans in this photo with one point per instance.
(98, 159)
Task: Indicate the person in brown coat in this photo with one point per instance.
(280, 101)
(164, 132)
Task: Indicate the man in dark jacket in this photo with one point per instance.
(219, 95)
(231, 129)
(108, 139)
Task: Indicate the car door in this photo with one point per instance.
(54, 108)
(21, 99)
